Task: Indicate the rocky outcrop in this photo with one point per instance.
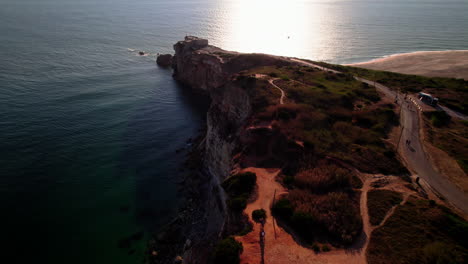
(206, 67)
(164, 60)
(213, 70)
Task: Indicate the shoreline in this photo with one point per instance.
(418, 52)
(448, 63)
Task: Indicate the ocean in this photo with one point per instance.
(89, 130)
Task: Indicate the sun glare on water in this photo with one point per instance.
(280, 27)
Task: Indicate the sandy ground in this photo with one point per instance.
(428, 63)
(282, 248)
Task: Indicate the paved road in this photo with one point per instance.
(418, 161)
(413, 153)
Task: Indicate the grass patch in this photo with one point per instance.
(379, 203)
(420, 232)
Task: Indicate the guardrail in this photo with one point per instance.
(416, 104)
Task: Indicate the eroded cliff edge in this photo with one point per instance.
(212, 71)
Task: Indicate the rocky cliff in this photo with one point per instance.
(213, 70)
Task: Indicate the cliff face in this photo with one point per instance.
(206, 67)
(196, 65)
(213, 70)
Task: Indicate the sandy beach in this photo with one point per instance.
(428, 63)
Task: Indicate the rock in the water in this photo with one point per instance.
(164, 60)
(141, 53)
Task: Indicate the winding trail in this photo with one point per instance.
(366, 226)
(271, 81)
(413, 153)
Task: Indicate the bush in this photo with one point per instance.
(259, 215)
(325, 248)
(273, 74)
(439, 118)
(379, 202)
(335, 214)
(288, 180)
(238, 203)
(283, 208)
(439, 253)
(323, 178)
(304, 223)
(315, 247)
(240, 184)
(228, 251)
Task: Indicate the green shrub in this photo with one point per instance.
(288, 180)
(259, 215)
(315, 247)
(240, 184)
(273, 74)
(439, 253)
(247, 229)
(379, 202)
(228, 251)
(283, 208)
(325, 248)
(239, 187)
(238, 203)
(439, 118)
(356, 182)
(304, 223)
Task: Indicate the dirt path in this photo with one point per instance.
(366, 226)
(413, 153)
(271, 81)
(281, 248)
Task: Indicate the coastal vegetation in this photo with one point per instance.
(322, 205)
(239, 187)
(380, 202)
(450, 135)
(328, 125)
(259, 215)
(332, 114)
(420, 231)
(227, 251)
(451, 92)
